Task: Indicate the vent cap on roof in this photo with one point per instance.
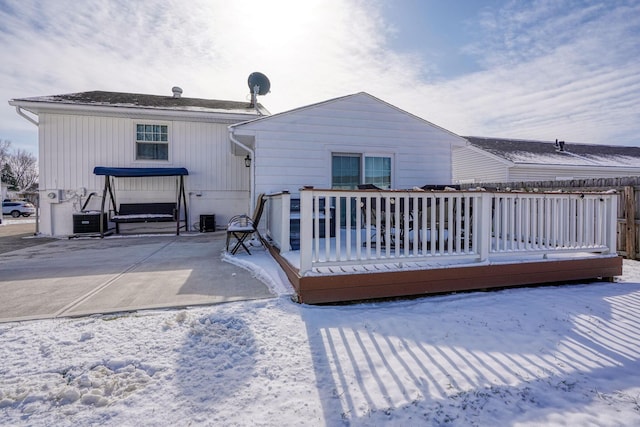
(177, 92)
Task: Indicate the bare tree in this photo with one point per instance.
(5, 172)
(24, 167)
(5, 144)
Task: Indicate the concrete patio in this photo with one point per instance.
(63, 278)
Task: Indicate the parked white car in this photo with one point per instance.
(17, 208)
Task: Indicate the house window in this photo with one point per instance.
(345, 171)
(152, 142)
(377, 171)
(350, 170)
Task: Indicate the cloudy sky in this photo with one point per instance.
(540, 69)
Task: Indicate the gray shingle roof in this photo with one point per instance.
(137, 100)
(545, 152)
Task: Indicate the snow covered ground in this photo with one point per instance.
(540, 356)
(7, 220)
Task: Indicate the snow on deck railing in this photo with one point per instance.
(340, 228)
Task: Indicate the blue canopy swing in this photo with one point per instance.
(143, 212)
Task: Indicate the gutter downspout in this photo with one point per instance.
(35, 122)
(22, 114)
(252, 172)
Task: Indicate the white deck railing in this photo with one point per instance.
(369, 226)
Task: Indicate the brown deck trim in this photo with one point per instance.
(290, 271)
(362, 286)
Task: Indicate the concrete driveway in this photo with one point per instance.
(19, 233)
(77, 277)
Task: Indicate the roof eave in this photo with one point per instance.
(583, 167)
(37, 107)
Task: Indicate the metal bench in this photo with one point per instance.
(145, 212)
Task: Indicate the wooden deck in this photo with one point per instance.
(362, 286)
(439, 242)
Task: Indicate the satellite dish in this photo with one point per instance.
(258, 84)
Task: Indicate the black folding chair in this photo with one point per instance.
(241, 227)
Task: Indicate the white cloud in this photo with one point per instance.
(556, 72)
(310, 50)
(551, 71)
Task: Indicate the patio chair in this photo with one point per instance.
(241, 227)
(373, 211)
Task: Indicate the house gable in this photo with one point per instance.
(295, 148)
(364, 110)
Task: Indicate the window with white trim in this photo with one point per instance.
(377, 171)
(152, 141)
(350, 170)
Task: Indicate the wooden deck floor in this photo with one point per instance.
(329, 288)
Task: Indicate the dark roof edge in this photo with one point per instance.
(568, 143)
(138, 100)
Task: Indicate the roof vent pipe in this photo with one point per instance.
(561, 143)
(177, 92)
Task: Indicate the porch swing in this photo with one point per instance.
(143, 212)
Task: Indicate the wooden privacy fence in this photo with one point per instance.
(628, 194)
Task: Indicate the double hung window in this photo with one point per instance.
(152, 142)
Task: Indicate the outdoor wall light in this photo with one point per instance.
(247, 161)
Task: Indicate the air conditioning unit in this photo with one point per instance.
(89, 222)
(207, 223)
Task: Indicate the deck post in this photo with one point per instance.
(612, 241)
(285, 230)
(484, 223)
(630, 221)
(306, 230)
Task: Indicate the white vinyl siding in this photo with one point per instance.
(471, 165)
(89, 141)
(295, 149)
(72, 145)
